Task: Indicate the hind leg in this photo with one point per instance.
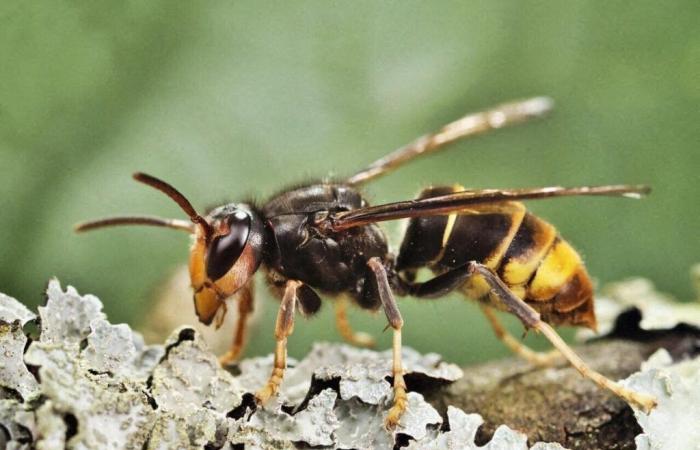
(539, 359)
(445, 283)
(396, 322)
(531, 319)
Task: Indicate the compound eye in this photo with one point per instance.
(225, 249)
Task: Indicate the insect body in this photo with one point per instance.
(323, 238)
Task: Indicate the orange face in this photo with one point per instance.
(226, 251)
(222, 263)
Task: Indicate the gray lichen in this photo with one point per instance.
(17, 423)
(190, 374)
(361, 373)
(11, 310)
(86, 383)
(106, 411)
(67, 316)
(314, 425)
(14, 374)
(675, 422)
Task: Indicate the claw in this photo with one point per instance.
(230, 357)
(400, 404)
(264, 394)
(641, 401)
(395, 413)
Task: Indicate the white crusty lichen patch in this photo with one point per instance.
(14, 374)
(361, 373)
(85, 383)
(675, 422)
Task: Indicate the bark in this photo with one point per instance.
(557, 404)
(83, 382)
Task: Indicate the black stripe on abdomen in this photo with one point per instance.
(475, 237)
(524, 239)
(422, 242)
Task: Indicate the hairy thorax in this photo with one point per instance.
(326, 260)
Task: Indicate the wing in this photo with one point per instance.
(447, 204)
(468, 126)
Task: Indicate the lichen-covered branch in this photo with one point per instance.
(86, 383)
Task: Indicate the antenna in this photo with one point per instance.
(177, 196)
(168, 190)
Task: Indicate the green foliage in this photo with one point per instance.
(231, 99)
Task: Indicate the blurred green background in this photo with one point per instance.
(229, 99)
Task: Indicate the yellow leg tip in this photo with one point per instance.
(642, 401)
(394, 416)
(229, 357)
(544, 360)
(363, 340)
(264, 394)
(397, 410)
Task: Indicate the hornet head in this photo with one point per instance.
(226, 249)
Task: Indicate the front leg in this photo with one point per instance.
(245, 308)
(396, 322)
(283, 328)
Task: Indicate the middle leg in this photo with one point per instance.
(393, 315)
(343, 325)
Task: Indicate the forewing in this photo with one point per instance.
(463, 200)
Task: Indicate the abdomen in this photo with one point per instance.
(525, 251)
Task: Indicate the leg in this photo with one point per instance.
(436, 287)
(531, 319)
(245, 308)
(469, 125)
(283, 328)
(448, 281)
(396, 322)
(535, 358)
(341, 322)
